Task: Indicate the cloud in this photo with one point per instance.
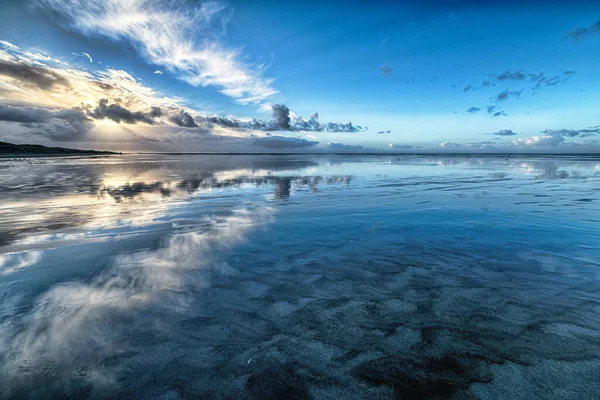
(59, 125)
(281, 142)
(181, 37)
(492, 111)
(544, 140)
(184, 119)
(468, 88)
(540, 79)
(343, 147)
(402, 146)
(42, 106)
(41, 77)
(86, 55)
(574, 132)
(449, 145)
(282, 121)
(158, 72)
(505, 132)
(383, 132)
(8, 45)
(386, 71)
(473, 110)
(507, 94)
(581, 33)
(117, 113)
(281, 115)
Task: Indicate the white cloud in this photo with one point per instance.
(181, 39)
(539, 140)
(8, 45)
(158, 72)
(88, 56)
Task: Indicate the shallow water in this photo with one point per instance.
(351, 277)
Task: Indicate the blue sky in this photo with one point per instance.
(205, 76)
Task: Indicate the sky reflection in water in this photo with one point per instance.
(300, 277)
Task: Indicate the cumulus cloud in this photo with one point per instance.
(63, 103)
(581, 33)
(540, 140)
(184, 119)
(449, 145)
(473, 110)
(117, 113)
(281, 116)
(178, 36)
(282, 121)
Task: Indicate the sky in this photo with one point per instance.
(292, 76)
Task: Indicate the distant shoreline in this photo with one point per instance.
(45, 155)
(11, 150)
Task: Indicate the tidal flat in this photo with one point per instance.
(300, 277)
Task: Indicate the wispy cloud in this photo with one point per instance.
(84, 54)
(473, 110)
(181, 37)
(539, 79)
(505, 132)
(507, 94)
(581, 33)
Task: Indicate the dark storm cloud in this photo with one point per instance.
(474, 110)
(42, 77)
(281, 142)
(581, 33)
(117, 113)
(183, 119)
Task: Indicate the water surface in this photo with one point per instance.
(184, 276)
